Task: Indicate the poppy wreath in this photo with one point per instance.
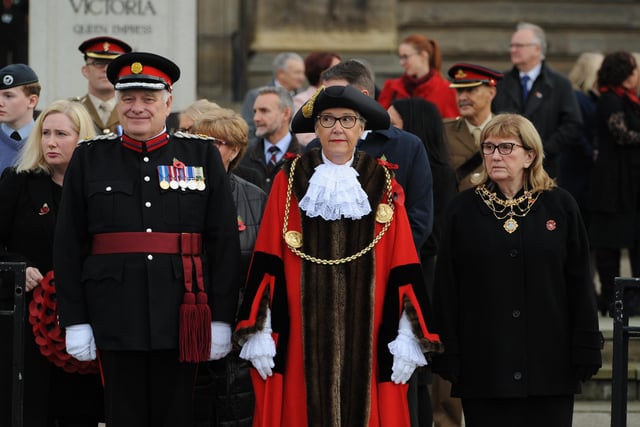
(49, 336)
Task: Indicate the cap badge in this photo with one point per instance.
(460, 74)
(307, 108)
(136, 68)
(106, 46)
(7, 80)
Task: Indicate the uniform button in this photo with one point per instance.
(515, 313)
(108, 188)
(513, 253)
(150, 257)
(148, 204)
(147, 179)
(145, 159)
(148, 230)
(517, 376)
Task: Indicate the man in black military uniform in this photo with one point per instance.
(100, 99)
(146, 252)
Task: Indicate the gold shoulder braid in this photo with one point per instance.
(508, 208)
(293, 239)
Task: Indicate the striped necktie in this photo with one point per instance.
(273, 150)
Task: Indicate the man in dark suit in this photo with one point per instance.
(540, 94)
(100, 100)
(273, 109)
(288, 73)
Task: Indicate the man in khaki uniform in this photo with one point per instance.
(100, 100)
(475, 87)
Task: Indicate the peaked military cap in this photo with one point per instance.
(142, 70)
(375, 116)
(16, 75)
(103, 47)
(471, 75)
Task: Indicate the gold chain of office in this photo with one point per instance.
(508, 208)
(293, 239)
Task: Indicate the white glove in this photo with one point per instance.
(402, 370)
(406, 351)
(220, 340)
(80, 342)
(260, 349)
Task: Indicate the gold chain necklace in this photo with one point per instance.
(508, 208)
(293, 239)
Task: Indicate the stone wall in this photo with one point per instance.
(238, 39)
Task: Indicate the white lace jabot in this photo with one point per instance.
(334, 192)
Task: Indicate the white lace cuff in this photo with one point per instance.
(406, 345)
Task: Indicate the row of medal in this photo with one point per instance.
(186, 177)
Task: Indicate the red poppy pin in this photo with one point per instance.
(382, 161)
(241, 224)
(44, 209)
(551, 225)
(178, 164)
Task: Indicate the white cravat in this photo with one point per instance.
(334, 192)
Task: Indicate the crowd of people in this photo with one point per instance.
(332, 254)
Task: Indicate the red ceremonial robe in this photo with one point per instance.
(332, 323)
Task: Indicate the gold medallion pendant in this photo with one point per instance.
(510, 225)
(293, 239)
(384, 213)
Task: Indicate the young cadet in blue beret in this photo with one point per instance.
(19, 94)
(146, 252)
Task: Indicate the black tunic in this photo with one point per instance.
(132, 300)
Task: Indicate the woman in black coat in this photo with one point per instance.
(615, 190)
(514, 304)
(30, 195)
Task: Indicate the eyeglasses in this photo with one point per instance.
(504, 148)
(218, 142)
(347, 122)
(521, 45)
(403, 58)
(98, 64)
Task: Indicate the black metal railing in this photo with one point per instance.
(621, 334)
(17, 314)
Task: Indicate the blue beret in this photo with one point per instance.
(16, 75)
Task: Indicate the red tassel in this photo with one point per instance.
(195, 328)
(204, 323)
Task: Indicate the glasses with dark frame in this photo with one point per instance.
(328, 121)
(504, 148)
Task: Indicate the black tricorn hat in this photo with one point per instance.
(142, 70)
(375, 116)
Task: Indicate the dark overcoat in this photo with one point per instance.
(551, 106)
(28, 211)
(516, 312)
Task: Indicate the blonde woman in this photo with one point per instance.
(30, 195)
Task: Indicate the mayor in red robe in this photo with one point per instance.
(335, 315)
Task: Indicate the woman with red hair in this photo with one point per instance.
(421, 60)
